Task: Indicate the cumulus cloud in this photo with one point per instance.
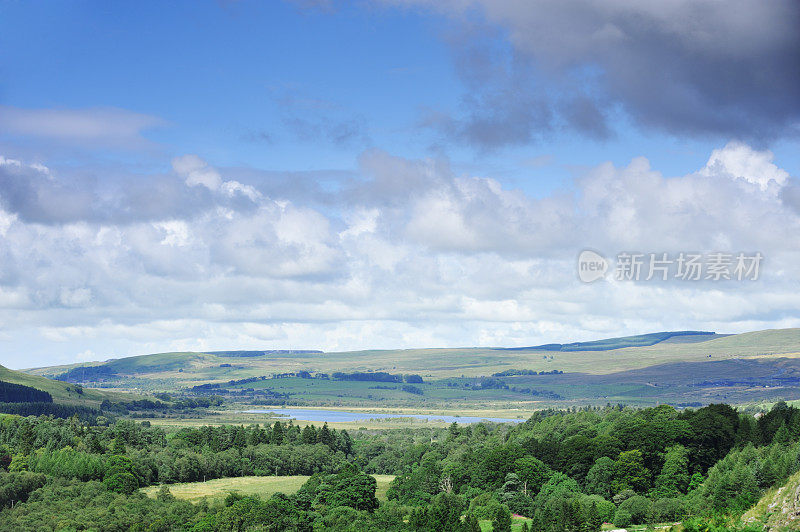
(412, 253)
(740, 161)
(687, 67)
(196, 172)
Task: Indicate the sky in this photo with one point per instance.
(213, 175)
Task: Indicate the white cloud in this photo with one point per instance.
(104, 126)
(739, 161)
(197, 172)
(411, 255)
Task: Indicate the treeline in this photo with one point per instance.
(72, 449)
(376, 376)
(124, 407)
(85, 414)
(249, 354)
(88, 374)
(18, 393)
(513, 372)
(491, 383)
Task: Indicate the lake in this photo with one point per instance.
(333, 416)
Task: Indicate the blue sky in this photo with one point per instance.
(346, 128)
(221, 75)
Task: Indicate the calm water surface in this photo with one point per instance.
(341, 415)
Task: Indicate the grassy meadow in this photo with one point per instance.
(217, 489)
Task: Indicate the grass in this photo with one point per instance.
(778, 508)
(64, 392)
(219, 488)
(677, 364)
(187, 369)
(516, 524)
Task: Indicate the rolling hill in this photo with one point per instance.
(686, 367)
(196, 367)
(64, 392)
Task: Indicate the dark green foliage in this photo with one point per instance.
(251, 513)
(630, 473)
(593, 519)
(15, 487)
(780, 416)
(559, 468)
(442, 514)
(674, 478)
(600, 477)
(122, 482)
(349, 487)
(86, 414)
(88, 374)
(373, 376)
(74, 505)
(515, 495)
(18, 393)
(637, 507)
(668, 509)
(120, 475)
(501, 519)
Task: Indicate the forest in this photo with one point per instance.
(565, 470)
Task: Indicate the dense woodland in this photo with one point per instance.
(567, 470)
(17, 393)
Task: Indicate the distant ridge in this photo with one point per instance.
(264, 353)
(607, 344)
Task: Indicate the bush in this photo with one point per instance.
(605, 508)
(637, 507)
(501, 519)
(622, 518)
(483, 506)
(121, 483)
(622, 496)
(668, 509)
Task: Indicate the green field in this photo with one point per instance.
(516, 524)
(64, 392)
(683, 370)
(264, 486)
(192, 368)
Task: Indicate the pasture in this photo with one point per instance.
(219, 488)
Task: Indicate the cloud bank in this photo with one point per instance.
(408, 253)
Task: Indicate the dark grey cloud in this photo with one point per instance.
(699, 68)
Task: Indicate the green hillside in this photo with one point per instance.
(193, 368)
(63, 392)
(684, 369)
(640, 340)
(778, 509)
